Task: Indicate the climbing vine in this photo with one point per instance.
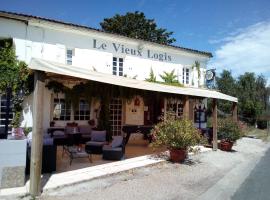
(16, 79)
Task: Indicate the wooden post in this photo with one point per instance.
(186, 107)
(214, 116)
(191, 110)
(234, 111)
(165, 108)
(37, 136)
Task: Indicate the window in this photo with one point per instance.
(83, 112)
(117, 66)
(69, 54)
(175, 107)
(62, 109)
(116, 116)
(3, 108)
(185, 76)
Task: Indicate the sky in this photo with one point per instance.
(237, 32)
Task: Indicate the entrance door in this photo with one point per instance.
(116, 116)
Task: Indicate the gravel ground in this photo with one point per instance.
(166, 180)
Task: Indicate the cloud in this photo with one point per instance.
(245, 50)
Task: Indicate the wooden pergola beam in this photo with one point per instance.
(37, 136)
(234, 112)
(186, 107)
(214, 116)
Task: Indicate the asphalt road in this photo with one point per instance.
(257, 184)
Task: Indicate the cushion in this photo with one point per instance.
(93, 143)
(48, 141)
(85, 129)
(109, 148)
(98, 136)
(70, 129)
(117, 141)
(58, 133)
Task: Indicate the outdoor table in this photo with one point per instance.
(77, 152)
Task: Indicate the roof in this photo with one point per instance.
(84, 73)
(15, 15)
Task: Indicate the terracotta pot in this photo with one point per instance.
(226, 146)
(178, 155)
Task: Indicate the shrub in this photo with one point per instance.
(228, 130)
(175, 134)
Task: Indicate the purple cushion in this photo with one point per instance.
(85, 129)
(98, 136)
(117, 141)
(70, 129)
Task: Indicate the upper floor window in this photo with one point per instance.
(83, 111)
(61, 109)
(118, 66)
(185, 75)
(69, 54)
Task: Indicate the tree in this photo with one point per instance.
(250, 105)
(169, 77)
(227, 85)
(136, 25)
(152, 77)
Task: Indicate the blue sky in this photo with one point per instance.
(237, 32)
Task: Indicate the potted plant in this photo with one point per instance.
(228, 132)
(177, 135)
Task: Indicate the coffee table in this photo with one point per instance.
(77, 152)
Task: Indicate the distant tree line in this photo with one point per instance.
(252, 93)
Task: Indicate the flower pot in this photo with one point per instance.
(178, 155)
(226, 146)
(17, 133)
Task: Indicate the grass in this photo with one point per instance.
(258, 133)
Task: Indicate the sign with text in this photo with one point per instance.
(123, 49)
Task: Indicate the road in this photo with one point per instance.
(257, 184)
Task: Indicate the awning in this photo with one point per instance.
(74, 71)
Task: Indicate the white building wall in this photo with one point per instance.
(49, 42)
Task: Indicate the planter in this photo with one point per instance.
(226, 146)
(17, 133)
(178, 155)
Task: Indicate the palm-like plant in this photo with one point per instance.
(169, 77)
(152, 77)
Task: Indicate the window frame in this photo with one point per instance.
(86, 115)
(118, 66)
(69, 56)
(186, 75)
(11, 113)
(67, 107)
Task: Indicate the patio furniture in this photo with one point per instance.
(48, 156)
(75, 152)
(98, 140)
(143, 129)
(85, 131)
(116, 150)
(52, 130)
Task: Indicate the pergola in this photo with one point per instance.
(44, 68)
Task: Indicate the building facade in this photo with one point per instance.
(78, 46)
